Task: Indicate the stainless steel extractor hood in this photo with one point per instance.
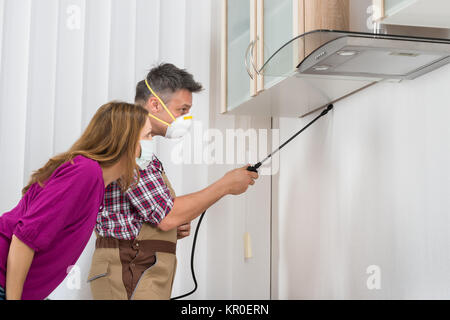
(377, 56)
(324, 66)
(361, 55)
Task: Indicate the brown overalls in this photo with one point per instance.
(140, 269)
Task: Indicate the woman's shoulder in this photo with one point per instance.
(80, 166)
(82, 161)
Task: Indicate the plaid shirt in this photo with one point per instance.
(149, 201)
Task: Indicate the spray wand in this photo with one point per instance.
(259, 164)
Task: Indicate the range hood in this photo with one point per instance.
(325, 66)
(361, 55)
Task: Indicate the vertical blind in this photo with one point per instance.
(60, 61)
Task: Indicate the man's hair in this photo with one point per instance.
(165, 79)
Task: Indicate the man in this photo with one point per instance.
(137, 230)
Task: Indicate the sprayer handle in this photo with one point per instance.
(255, 167)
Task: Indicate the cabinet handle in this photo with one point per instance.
(250, 46)
(251, 56)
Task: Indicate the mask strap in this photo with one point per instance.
(162, 121)
(162, 103)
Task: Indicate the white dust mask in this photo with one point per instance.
(180, 127)
(147, 151)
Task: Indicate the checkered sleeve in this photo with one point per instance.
(151, 197)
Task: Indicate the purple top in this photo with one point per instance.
(56, 222)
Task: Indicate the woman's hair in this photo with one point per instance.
(113, 132)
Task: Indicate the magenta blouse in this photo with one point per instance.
(56, 222)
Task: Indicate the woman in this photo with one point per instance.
(45, 234)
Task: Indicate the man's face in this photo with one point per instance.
(179, 105)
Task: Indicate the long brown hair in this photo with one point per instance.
(113, 132)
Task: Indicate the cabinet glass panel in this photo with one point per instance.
(238, 39)
(393, 5)
(278, 29)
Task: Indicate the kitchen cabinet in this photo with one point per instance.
(423, 13)
(254, 30)
(326, 62)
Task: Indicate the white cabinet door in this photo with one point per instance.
(253, 30)
(282, 20)
(239, 30)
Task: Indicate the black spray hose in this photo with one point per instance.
(192, 260)
(253, 169)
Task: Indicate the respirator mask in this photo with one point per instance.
(147, 151)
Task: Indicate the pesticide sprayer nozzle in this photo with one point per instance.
(329, 108)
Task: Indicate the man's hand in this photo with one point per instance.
(184, 230)
(238, 180)
(188, 207)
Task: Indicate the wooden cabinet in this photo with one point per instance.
(254, 30)
(423, 13)
(325, 15)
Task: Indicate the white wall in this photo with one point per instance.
(369, 184)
